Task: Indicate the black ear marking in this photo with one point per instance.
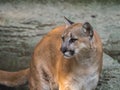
(88, 29)
(68, 21)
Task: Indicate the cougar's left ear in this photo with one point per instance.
(88, 30)
(68, 22)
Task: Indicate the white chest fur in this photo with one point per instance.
(82, 82)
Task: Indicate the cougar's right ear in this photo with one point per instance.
(68, 22)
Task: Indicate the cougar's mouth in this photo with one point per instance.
(68, 54)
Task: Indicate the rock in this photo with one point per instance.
(110, 78)
(112, 45)
(16, 46)
(21, 29)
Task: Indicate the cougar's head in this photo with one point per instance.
(76, 39)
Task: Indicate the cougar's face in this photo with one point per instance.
(74, 41)
(76, 38)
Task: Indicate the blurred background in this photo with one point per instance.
(24, 22)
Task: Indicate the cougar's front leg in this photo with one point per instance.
(39, 80)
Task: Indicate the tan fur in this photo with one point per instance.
(12, 79)
(51, 70)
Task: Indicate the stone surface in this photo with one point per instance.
(23, 25)
(110, 77)
(16, 46)
(112, 45)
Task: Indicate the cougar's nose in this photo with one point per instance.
(63, 49)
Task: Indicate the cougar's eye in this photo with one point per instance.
(73, 40)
